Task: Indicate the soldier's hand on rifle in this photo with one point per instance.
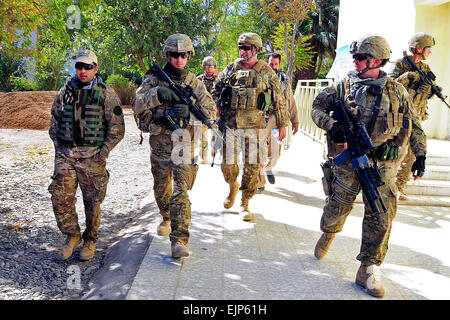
(181, 110)
(337, 133)
(418, 167)
(413, 75)
(166, 95)
(425, 89)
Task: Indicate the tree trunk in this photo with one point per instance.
(140, 60)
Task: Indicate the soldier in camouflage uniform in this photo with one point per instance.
(364, 91)
(420, 46)
(209, 65)
(153, 100)
(274, 148)
(87, 123)
(246, 91)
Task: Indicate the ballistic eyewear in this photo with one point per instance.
(81, 65)
(361, 56)
(175, 55)
(245, 48)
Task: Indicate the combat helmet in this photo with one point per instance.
(374, 46)
(209, 61)
(178, 42)
(251, 38)
(420, 40)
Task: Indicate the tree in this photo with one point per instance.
(289, 13)
(134, 31)
(323, 25)
(18, 20)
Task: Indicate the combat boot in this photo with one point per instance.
(179, 249)
(229, 200)
(244, 211)
(366, 279)
(163, 228)
(323, 244)
(88, 250)
(72, 241)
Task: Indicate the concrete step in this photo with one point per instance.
(419, 200)
(428, 187)
(437, 160)
(434, 172)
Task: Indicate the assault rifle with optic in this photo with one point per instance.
(359, 147)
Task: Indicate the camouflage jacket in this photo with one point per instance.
(207, 81)
(147, 107)
(418, 97)
(115, 129)
(395, 104)
(246, 86)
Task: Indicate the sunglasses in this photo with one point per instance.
(175, 55)
(361, 56)
(81, 65)
(245, 48)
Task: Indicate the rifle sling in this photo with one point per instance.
(375, 114)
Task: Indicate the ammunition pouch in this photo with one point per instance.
(264, 101)
(328, 176)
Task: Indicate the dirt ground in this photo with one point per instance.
(26, 110)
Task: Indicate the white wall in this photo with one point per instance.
(392, 19)
(397, 21)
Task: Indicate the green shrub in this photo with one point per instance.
(23, 84)
(8, 67)
(124, 88)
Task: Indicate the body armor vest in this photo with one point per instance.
(83, 116)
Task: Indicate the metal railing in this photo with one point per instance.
(305, 93)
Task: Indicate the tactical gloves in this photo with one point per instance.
(337, 133)
(419, 166)
(387, 151)
(181, 110)
(166, 95)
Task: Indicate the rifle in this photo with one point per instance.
(184, 95)
(426, 78)
(359, 146)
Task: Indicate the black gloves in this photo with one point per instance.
(181, 110)
(337, 133)
(419, 166)
(166, 95)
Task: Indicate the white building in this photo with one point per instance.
(397, 21)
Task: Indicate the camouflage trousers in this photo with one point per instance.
(92, 177)
(252, 145)
(173, 201)
(376, 227)
(404, 170)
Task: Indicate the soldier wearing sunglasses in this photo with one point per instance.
(86, 124)
(247, 91)
(384, 107)
(153, 100)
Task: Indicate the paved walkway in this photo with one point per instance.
(272, 257)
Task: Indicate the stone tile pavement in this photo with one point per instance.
(272, 257)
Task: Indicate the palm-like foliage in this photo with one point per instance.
(323, 24)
